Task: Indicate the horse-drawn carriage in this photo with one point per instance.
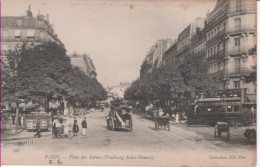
(152, 114)
(162, 122)
(120, 118)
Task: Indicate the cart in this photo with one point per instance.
(221, 127)
(250, 134)
(120, 118)
(162, 122)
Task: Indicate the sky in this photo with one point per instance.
(115, 33)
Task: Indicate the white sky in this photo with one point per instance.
(116, 36)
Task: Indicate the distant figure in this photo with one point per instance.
(253, 113)
(84, 126)
(38, 129)
(19, 120)
(160, 112)
(54, 130)
(22, 120)
(147, 108)
(13, 118)
(65, 127)
(75, 128)
(151, 106)
(177, 117)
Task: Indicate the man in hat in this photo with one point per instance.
(84, 127)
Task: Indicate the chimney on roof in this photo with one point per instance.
(28, 12)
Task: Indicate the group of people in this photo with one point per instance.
(63, 128)
(163, 112)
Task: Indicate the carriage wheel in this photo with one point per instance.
(168, 126)
(131, 125)
(112, 125)
(215, 133)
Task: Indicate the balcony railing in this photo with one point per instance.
(237, 72)
(219, 34)
(237, 30)
(233, 72)
(231, 30)
(220, 54)
(230, 10)
(237, 50)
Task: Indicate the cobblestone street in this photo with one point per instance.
(144, 140)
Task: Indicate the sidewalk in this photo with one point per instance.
(9, 134)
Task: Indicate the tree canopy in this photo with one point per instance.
(172, 81)
(44, 72)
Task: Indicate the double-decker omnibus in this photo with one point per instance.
(230, 105)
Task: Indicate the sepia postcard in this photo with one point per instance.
(129, 83)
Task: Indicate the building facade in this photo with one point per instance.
(154, 57)
(16, 30)
(231, 34)
(184, 38)
(169, 55)
(84, 63)
(198, 44)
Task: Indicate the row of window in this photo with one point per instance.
(32, 23)
(214, 49)
(21, 33)
(215, 31)
(215, 67)
(219, 12)
(200, 48)
(223, 109)
(221, 27)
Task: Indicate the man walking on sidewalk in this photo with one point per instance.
(38, 129)
(84, 126)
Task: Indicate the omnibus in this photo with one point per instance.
(234, 106)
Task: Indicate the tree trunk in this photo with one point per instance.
(47, 105)
(16, 118)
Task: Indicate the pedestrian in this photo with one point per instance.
(19, 120)
(75, 128)
(84, 126)
(54, 130)
(177, 118)
(253, 113)
(160, 113)
(65, 128)
(13, 118)
(151, 106)
(147, 108)
(22, 120)
(38, 129)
